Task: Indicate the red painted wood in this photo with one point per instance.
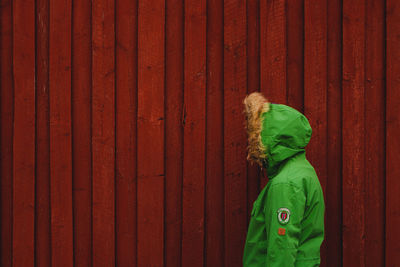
(23, 133)
(81, 132)
(6, 133)
(235, 171)
(315, 89)
(150, 150)
(273, 50)
(374, 134)
(253, 84)
(295, 57)
(126, 108)
(42, 216)
(60, 134)
(353, 133)
(392, 132)
(214, 214)
(333, 208)
(194, 133)
(202, 218)
(173, 132)
(103, 133)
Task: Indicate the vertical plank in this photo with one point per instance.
(273, 50)
(253, 85)
(81, 131)
(42, 218)
(194, 133)
(315, 82)
(6, 133)
(374, 134)
(235, 88)
(173, 132)
(353, 133)
(333, 220)
(103, 133)
(315, 88)
(60, 133)
(214, 221)
(126, 108)
(392, 131)
(150, 161)
(295, 48)
(253, 45)
(23, 133)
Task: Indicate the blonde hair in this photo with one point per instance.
(255, 104)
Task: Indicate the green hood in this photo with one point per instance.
(285, 133)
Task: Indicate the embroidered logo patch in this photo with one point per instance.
(281, 231)
(283, 215)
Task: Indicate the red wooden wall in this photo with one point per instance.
(122, 134)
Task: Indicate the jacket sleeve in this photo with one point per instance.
(284, 210)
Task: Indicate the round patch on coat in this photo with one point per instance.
(283, 215)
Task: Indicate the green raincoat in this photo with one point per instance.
(287, 220)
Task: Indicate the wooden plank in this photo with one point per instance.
(273, 50)
(214, 190)
(333, 204)
(295, 57)
(126, 108)
(253, 85)
(194, 133)
(6, 133)
(23, 133)
(315, 89)
(235, 88)
(375, 134)
(42, 218)
(173, 132)
(60, 134)
(353, 133)
(150, 161)
(103, 133)
(81, 131)
(392, 131)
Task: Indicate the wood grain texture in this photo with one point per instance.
(333, 197)
(353, 120)
(23, 133)
(103, 133)
(6, 133)
(150, 123)
(235, 171)
(173, 132)
(126, 116)
(81, 132)
(60, 133)
(253, 85)
(296, 18)
(374, 134)
(214, 196)
(122, 137)
(194, 133)
(273, 49)
(315, 88)
(42, 216)
(392, 131)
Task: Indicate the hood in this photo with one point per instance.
(285, 133)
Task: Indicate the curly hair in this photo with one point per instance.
(255, 104)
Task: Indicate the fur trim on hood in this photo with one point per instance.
(255, 104)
